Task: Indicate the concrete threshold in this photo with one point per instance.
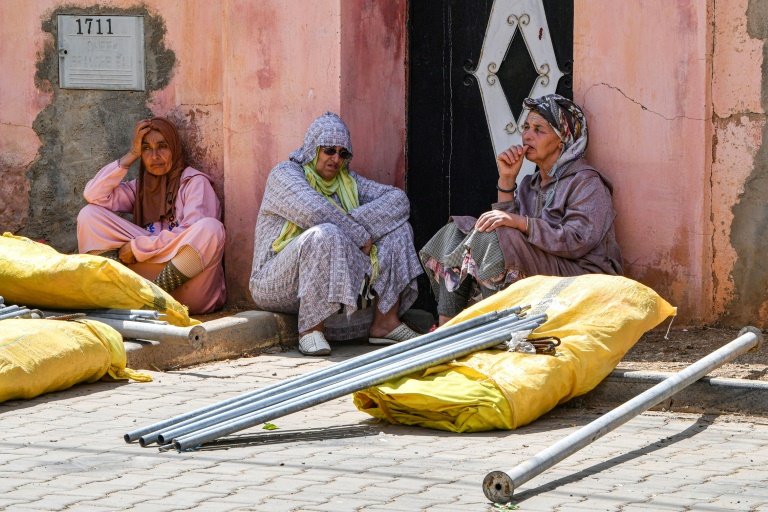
(709, 395)
(244, 334)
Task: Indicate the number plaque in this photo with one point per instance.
(101, 52)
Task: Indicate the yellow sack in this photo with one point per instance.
(598, 318)
(41, 356)
(38, 276)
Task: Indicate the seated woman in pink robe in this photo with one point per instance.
(176, 237)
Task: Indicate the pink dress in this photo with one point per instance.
(197, 225)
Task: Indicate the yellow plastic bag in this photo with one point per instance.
(38, 276)
(598, 318)
(41, 356)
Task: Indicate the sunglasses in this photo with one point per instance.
(343, 154)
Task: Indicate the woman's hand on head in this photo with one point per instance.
(509, 162)
(139, 131)
(142, 128)
(497, 218)
(126, 254)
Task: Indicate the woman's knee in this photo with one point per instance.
(326, 236)
(90, 213)
(212, 229)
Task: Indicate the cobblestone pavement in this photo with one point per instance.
(65, 451)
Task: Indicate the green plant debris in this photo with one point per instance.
(505, 506)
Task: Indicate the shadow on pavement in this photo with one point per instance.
(290, 436)
(80, 389)
(702, 423)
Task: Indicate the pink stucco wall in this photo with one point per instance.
(641, 73)
(672, 91)
(20, 102)
(373, 89)
(739, 123)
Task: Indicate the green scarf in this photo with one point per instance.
(345, 188)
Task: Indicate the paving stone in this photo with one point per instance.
(55, 501)
(91, 468)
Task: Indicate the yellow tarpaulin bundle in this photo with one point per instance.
(37, 276)
(598, 318)
(41, 356)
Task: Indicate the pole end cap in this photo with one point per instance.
(498, 487)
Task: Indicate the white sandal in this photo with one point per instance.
(314, 344)
(401, 333)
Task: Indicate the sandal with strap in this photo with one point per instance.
(314, 344)
(401, 333)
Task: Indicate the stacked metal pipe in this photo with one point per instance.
(133, 315)
(15, 311)
(141, 324)
(209, 423)
(136, 324)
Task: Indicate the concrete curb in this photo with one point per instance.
(710, 395)
(244, 334)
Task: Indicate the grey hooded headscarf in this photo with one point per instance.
(567, 120)
(326, 130)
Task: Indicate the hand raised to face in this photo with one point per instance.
(142, 128)
(510, 160)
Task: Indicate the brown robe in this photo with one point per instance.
(573, 235)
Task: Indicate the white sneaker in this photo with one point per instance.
(314, 344)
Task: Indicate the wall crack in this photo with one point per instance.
(643, 106)
(16, 125)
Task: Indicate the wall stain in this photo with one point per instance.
(669, 272)
(750, 214)
(83, 130)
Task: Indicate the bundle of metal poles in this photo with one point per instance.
(15, 311)
(141, 324)
(138, 324)
(133, 315)
(206, 424)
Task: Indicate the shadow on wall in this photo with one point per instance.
(83, 130)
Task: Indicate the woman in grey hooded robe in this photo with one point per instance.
(319, 225)
(558, 222)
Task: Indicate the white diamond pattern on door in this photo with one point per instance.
(512, 19)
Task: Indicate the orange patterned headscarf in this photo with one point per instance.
(156, 195)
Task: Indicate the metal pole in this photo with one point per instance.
(499, 486)
(340, 389)
(383, 353)
(8, 309)
(149, 313)
(391, 365)
(13, 313)
(194, 336)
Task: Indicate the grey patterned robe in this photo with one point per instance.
(324, 267)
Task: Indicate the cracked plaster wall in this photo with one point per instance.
(642, 76)
(740, 162)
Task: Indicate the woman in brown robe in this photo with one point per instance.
(559, 222)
